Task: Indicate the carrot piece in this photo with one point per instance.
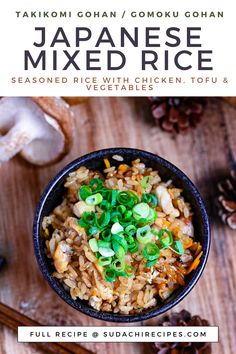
(123, 168)
(107, 163)
(188, 244)
(195, 263)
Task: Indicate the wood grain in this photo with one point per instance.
(205, 155)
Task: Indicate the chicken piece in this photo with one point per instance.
(62, 256)
(166, 202)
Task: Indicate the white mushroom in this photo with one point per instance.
(62, 256)
(81, 207)
(40, 128)
(166, 202)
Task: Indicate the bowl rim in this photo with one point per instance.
(78, 304)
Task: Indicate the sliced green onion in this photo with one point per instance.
(93, 244)
(151, 263)
(116, 228)
(130, 230)
(103, 220)
(150, 198)
(106, 252)
(89, 218)
(134, 196)
(109, 274)
(82, 223)
(84, 192)
(116, 216)
(141, 211)
(125, 198)
(105, 205)
(151, 251)
(96, 183)
(113, 197)
(152, 215)
(178, 247)
(94, 199)
(104, 244)
(106, 235)
(165, 238)
(129, 270)
(133, 247)
(129, 239)
(144, 181)
(104, 260)
(119, 250)
(118, 265)
(128, 215)
(121, 209)
(143, 234)
(92, 230)
(121, 240)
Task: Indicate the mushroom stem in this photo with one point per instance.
(13, 142)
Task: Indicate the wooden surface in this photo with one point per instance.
(204, 154)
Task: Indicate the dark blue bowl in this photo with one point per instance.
(53, 194)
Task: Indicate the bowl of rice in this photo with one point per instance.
(121, 234)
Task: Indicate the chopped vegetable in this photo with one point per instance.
(93, 244)
(116, 228)
(144, 234)
(94, 199)
(141, 211)
(195, 263)
(151, 251)
(107, 163)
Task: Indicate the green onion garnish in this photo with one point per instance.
(109, 274)
(94, 199)
(143, 234)
(151, 251)
(84, 192)
(92, 230)
(150, 199)
(106, 252)
(121, 240)
(93, 244)
(104, 244)
(165, 238)
(103, 220)
(152, 215)
(141, 211)
(120, 222)
(144, 181)
(118, 249)
(151, 263)
(130, 230)
(116, 228)
(106, 234)
(178, 247)
(104, 260)
(129, 270)
(96, 183)
(133, 247)
(118, 265)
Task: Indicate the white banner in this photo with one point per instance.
(123, 48)
(117, 334)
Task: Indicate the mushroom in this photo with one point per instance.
(40, 128)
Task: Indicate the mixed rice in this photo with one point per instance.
(79, 262)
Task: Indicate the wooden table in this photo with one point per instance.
(205, 155)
